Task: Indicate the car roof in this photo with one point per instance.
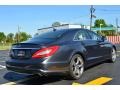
(72, 29)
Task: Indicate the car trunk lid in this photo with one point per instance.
(25, 50)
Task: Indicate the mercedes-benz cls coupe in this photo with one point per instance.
(66, 51)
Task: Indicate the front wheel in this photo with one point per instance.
(113, 55)
(76, 67)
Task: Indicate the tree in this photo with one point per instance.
(100, 21)
(29, 36)
(21, 36)
(2, 37)
(10, 38)
(55, 24)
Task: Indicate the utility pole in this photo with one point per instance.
(18, 35)
(116, 26)
(92, 10)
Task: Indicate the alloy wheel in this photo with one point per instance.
(114, 55)
(77, 66)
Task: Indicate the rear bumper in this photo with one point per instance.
(41, 69)
(22, 70)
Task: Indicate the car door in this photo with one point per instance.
(90, 45)
(100, 46)
(104, 45)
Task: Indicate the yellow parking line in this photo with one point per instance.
(98, 81)
(74, 83)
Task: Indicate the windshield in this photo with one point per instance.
(49, 35)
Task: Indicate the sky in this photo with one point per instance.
(31, 18)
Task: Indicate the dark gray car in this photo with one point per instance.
(67, 52)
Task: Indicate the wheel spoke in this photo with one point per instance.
(78, 61)
(74, 62)
(80, 65)
(75, 70)
(78, 71)
(73, 67)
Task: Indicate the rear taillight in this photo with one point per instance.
(45, 52)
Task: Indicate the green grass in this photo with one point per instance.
(6, 47)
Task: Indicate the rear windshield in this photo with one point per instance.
(49, 35)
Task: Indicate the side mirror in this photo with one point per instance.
(104, 38)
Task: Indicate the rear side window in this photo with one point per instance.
(81, 35)
(94, 36)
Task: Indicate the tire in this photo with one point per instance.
(76, 67)
(113, 55)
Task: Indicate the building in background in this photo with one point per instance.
(63, 26)
(104, 29)
(107, 31)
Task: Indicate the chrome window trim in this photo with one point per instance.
(78, 40)
(25, 48)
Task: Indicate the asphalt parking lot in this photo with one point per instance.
(103, 73)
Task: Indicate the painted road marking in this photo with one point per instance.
(19, 81)
(2, 67)
(16, 82)
(2, 61)
(98, 81)
(118, 51)
(75, 83)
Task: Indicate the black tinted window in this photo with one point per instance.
(50, 35)
(81, 35)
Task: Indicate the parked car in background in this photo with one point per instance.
(67, 52)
